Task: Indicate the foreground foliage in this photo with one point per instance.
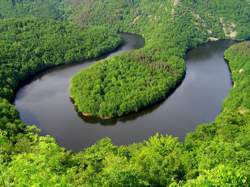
(216, 154)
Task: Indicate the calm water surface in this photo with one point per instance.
(45, 102)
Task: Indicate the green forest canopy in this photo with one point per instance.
(54, 9)
(169, 30)
(215, 154)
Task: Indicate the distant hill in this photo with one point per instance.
(39, 8)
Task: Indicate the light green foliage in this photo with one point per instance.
(43, 165)
(220, 176)
(156, 162)
(237, 105)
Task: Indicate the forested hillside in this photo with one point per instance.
(31, 45)
(169, 28)
(215, 154)
(41, 8)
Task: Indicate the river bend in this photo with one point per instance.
(45, 101)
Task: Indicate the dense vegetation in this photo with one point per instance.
(31, 45)
(121, 85)
(215, 154)
(159, 22)
(39, 8)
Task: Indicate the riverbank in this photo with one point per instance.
(70, 45)
(123, 85)
(177, 115)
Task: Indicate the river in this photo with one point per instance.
(45, 101)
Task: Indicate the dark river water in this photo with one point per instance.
(45, 102)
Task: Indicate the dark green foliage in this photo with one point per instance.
(40, 8)
(31, 45)
(9, 119)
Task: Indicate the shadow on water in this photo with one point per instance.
(126, 118)
(125, 45)
(197, 100)
(132, 116)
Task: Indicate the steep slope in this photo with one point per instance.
(169, 28)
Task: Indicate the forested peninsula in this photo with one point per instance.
(37, 35)
(133, 81)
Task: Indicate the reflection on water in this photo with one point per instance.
(45, 101)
